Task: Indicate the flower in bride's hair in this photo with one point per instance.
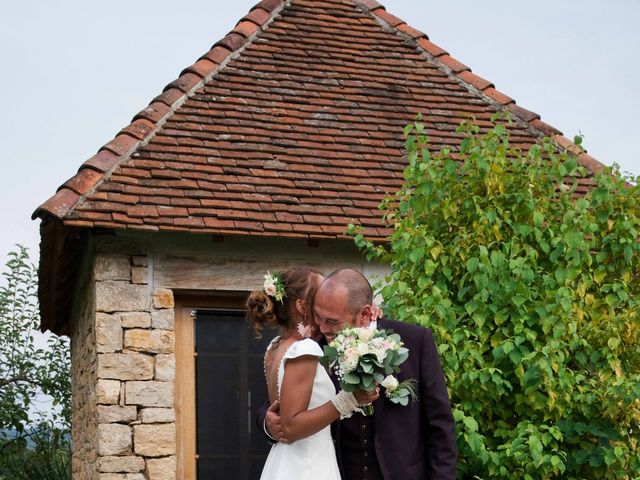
(273, 286)
(270, 290)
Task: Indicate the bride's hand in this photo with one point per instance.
(365, 397)
(376, 312)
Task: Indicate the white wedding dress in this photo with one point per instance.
(311, 458)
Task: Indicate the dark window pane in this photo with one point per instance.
(212, 468)
(220, 334)
(217, 405)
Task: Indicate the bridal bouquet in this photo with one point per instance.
(364, 357)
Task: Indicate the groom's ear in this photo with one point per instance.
(363, 318)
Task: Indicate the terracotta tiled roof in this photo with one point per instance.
(289, 126)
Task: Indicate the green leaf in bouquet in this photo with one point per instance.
(395, 337)
(351, 378)
(367, 367)
(368, 382)
(330, 352)
(349, 387)
(403, 354)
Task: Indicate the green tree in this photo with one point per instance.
(31, 373)
(532, 291)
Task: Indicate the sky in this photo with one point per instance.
(75, 72)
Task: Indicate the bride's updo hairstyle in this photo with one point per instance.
(264, 310)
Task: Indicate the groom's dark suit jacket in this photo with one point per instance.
(415, 442)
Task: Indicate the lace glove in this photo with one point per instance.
(345, 403)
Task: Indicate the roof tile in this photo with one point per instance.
(387, 17)
(412, 32)
(473, 79)
(154, 112)
(83, 181)
(258, 16)
(246, 28)
(139, 128)
(499, 97)
(431, 48)
(523, 113)
(202, 68)
(269, 5)
(217, 54)
(233, 41)
(103, 161)
(60, 204)
(185, 82)
(120, 145)
(453, 64)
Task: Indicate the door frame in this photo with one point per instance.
(185, 380)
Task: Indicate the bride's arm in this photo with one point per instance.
(297, 421)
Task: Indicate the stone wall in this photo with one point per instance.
(134, 341)
(84, 421)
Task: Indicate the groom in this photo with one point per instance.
(415, 442)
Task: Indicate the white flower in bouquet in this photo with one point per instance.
(366, 334)
(390, 383)
(349, 360)
(363, 348)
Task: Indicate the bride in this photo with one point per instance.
(308, 400)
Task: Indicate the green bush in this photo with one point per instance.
(43, 454)
(35, 382)
(532, 292)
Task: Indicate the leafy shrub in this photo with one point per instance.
(532, 292)
(44, 453)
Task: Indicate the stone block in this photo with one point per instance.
(163, 298)
(125, 366)
(136, 319)
(140, 275)
(162, 468)
(112, 267)
(112, 476)
(163, 319)
(135, 476)
(126, 464)
(153, 341)
(108, 392)
(121, 297)
(158, 415)
(140, 260)
(114, 439)
(165, 368)
(116, 414)
(155, 440)
(108, 333)
(149, 394)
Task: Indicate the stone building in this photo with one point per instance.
(256, 158)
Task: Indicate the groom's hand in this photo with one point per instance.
(273, 424)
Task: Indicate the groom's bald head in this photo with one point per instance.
(353, 284)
